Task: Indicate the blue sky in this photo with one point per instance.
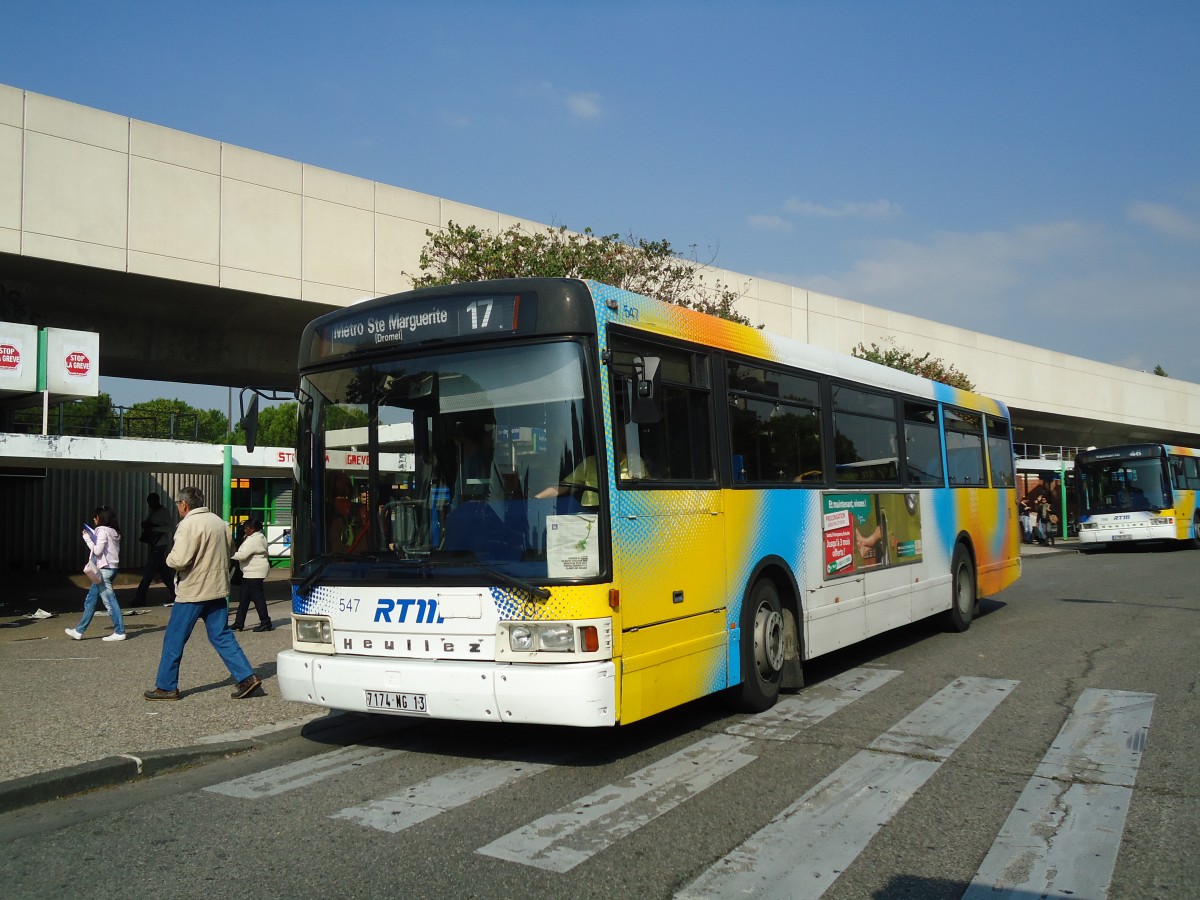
(1025, 169)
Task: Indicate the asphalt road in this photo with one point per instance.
(917, 807)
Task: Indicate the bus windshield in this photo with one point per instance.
(450, 467)
(1123, 485)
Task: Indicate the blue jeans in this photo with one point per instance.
(184, 617)
(103, 590)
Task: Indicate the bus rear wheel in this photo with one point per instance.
(962, 591)
(762, 648)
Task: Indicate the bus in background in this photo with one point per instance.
(554, 501)
(1137, 492)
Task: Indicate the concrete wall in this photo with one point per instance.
(83, 186)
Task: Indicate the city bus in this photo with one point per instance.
(555, 501)
(1137, 492)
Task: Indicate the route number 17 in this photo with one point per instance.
(481, 313)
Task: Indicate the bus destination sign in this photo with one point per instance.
(435, 319)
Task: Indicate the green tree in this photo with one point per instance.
(457, 254)
(1159, 370)
(90, 416)
(173, 419)
(907, 361)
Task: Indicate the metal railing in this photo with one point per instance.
(1053, 452)
(117, 422)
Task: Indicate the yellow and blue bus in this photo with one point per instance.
(555, 501)
(1137, 492)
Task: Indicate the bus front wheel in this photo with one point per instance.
(962, 588)
(762, 648)
(1196, 530)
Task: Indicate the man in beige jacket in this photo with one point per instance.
(200, 559)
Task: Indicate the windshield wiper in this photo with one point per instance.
(322, 562)
(498, 574)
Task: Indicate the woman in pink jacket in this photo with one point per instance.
(104, 542)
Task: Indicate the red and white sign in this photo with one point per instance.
(10, 357)
(78, 365)
(18, 358)
(72, 362)
(839, 543)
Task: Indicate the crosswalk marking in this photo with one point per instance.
(807, 846)
(562, 840)
(791, 715)
(1062, 837)
(437, 795)
(281, 779)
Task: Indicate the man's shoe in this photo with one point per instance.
(246, 687)
(160, 694)
(263, 626)
(73, 634)
(113, 637)
(235, 627)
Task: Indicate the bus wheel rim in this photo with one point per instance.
(768, 641)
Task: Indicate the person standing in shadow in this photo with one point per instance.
(157, 529)
(252, 557)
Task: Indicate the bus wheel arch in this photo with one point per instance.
(770, 650)
(964, 587)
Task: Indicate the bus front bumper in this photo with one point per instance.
(1125, 532)
(576, 694)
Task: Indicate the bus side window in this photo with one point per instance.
(679, 446)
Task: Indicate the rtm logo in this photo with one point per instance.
(425, 611)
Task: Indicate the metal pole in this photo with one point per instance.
(1062, 494)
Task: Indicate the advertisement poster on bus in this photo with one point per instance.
(572, 546)
(864, 531)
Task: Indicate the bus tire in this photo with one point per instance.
(762, 648)
(1196, 530)
(962, 591)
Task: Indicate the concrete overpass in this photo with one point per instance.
(200, 261)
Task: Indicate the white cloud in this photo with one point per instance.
(1165, 220)
(956, 265)
(585, 105)
(1070, 286)
(768, 222)
(876, 209)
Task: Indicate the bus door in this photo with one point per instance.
(669, 548)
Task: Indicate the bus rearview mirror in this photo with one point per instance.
(646, 406)
(249, 421)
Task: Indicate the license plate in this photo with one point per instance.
(390, 700)
(1122, 537)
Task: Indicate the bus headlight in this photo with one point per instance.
(581, 640)
(557, 637)
(313, 630)
(522, 638)
(1163, 520)
(549, 637)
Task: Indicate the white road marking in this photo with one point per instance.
(1062, 837)
(793, 714)
(280, 779)
(562, 840)
(437, 795)
(807, 846)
